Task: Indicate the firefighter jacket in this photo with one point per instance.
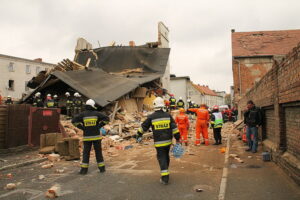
(70, 102)
(38, 102)
(216, 119)
(90, 121)
(182, 121)
(8, 101)
(50, 103)
(180, 104)
(191, 105)
(163, 127)
(253, 117)
(55, 103)
(77, 102)
(202, 113)
(172, 101)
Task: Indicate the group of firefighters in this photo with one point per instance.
(163, 126)
(73, 104)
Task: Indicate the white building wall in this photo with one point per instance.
(194, 94)
(163, 40)
(178, 87)
(20, 73)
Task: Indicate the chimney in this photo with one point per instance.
(232, 30)
(38, 60)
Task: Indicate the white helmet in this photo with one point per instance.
(67, 94)
(8, 96)
(79, 95)
(48, 95)
(193, 102)
(76, 94)
(90, 102)
(158, 103)
(180, 98)
(55, 96)
(188, 100)
(38, 94)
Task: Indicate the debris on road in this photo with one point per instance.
(60, 171)
(10, 176)
(199, 190)
(41, 177)
(53, 192)
(10, 186)
(47, 166)
(53, 157)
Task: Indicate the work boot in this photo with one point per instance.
(102, 169)
(164, 180)
(83, 171)
(202, 142)
(248, 149)
(216, 143)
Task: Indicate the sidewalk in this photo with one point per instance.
(256, 179)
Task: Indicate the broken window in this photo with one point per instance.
(38, 69)
(28, 69)
(26, 88)
(11, 84)
(11, 67)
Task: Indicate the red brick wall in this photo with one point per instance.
(278, 94)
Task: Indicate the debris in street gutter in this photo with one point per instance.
(53, 192)
(199, 190)
(10, 186)
(47, 166)
(41, 177)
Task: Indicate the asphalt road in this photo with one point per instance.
(134, 175)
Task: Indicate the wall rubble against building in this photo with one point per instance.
(278, 94)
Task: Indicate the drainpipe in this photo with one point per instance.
(240, 83)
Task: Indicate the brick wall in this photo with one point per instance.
(278, 94)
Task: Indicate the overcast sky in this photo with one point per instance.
(200, 30)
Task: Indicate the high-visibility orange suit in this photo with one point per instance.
(201, 124)
(183, 125)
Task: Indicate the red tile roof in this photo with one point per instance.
(262, 43)
(204, 89)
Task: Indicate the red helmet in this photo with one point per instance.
(172, 95)
(215, 107)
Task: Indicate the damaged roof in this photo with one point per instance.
(105, 81)
(264, 43)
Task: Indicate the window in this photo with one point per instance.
(11, 67)
(38, 69)
(11, 84)
(26, 88)
(28, 70)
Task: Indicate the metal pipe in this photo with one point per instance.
(240, 83)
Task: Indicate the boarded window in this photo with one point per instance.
(11, 67)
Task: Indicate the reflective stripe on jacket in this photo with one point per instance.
(163, 127)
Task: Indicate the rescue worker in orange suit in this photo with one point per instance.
(90, 121)
(216, 121)
(201, 124)
(172, 102)
(164, 129)
(183, 124)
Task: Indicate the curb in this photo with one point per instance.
(23, 164)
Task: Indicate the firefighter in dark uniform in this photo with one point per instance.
(8, 100)
(172, 102)
(164, 128)
(190, 105)
(69, 104)
(55, 99)
(49, 102)
(90, 121)
(77, 103)
(180, 103)
(37, 101)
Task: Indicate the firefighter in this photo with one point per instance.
(164, 129)
(216, 121)
(69, 104)
(183, 124)
(90, 121)
(8, 100)
(37, 101)
(180, 103)
(201, 124)
(172, 102)
(49, 103)
(77, 103)
(55, 99)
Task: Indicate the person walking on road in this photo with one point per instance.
(216, 121)
(201, 124)
(183, 124)
(164, 129)
(253, 119)
(180, 103)
(90, 121)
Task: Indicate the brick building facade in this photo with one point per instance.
(278, 94)
(253, 54)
